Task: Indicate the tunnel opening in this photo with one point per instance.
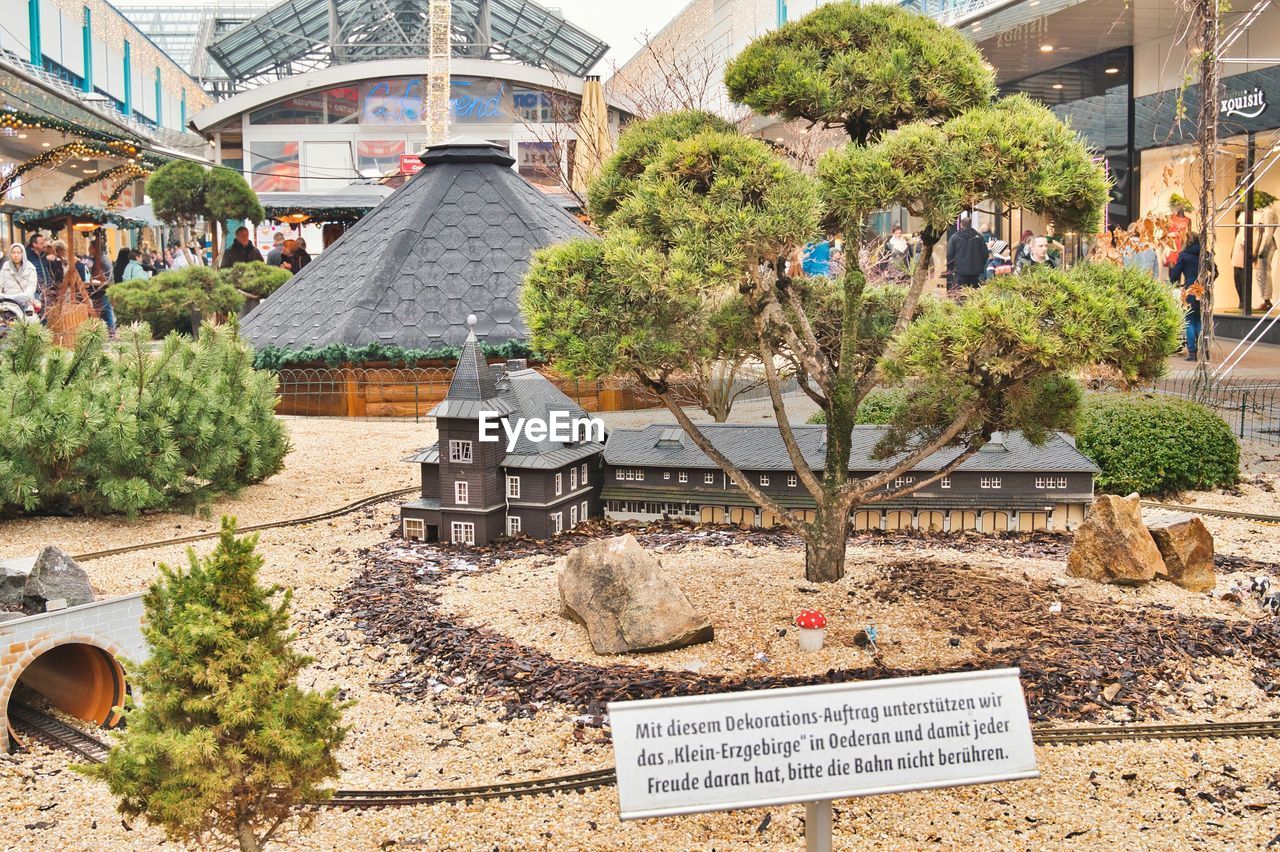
(81, 680)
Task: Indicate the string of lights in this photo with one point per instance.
(127, 171)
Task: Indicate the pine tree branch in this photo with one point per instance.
(863, 486)
(798, 463)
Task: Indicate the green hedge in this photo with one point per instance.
(256, 277)
(133, 428)
(165, 301)
(336, 354)
(1155, 444)
(877, 409)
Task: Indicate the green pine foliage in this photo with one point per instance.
(166, 301)
(227, 195)
(256, 278)
(176, 190)
(1157, 445)
(878, 408)
(134, 428)
(225, 745)
(337, 354)
(863, 68)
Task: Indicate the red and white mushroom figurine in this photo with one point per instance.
(812, 630)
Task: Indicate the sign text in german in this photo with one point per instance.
(811, 743)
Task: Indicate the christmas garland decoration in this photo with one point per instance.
(133, 170)
(337, 354)
(323, 214)
(83, 212)
(55, 157)
(113, 200)
(22, 120)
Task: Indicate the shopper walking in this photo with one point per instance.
(1185, 273)
(966, 255)
(37, 256)
(1038, 256)
(18, 275)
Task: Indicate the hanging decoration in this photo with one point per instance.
(55, 157)
(113, 200)
(320, 213)
(128, 172)
(16, 119)
(57, 215)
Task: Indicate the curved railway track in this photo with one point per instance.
(1269, 520)
(269, 525)
(59, 734)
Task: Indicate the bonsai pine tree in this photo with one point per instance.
(710, 217)
(225, 742)
(228, 196)
(182, 193)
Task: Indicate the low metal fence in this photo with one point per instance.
(1250, 406)
(409, 393)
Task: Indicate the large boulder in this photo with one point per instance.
(618, 591)
(13, 581)
(1186, 546)
(1112, 545)
(56, 576)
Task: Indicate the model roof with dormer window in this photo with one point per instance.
(473, 388)
(761, 448)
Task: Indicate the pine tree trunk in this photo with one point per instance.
(248, 841)
(824, 551)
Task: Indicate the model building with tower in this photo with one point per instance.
(474, 490)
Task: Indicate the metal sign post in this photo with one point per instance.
(817, 826)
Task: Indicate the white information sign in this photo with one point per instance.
(814, 743)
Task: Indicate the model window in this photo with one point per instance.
(990, 482)
(584, 473)
(463, 532)
(573, 516)
(460, 452)
(945, 482)
(1062, 482)
(666, 474)
(684, 476)
(559, 482)
(557, 522)
(639, 474)
(791, 481)
(573, 479)
(585, 507)
(619, 474)
(1040, 482)
(513, 524)
(764, 479)
(709, 479)
(461, 492)
(513, 486)
(415, 528)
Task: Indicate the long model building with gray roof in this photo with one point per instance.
(476, 490)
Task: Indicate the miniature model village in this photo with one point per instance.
(516, 616)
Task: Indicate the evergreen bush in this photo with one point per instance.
(170, 300)
(256, 278)
(135, 428)
(226, 743)
(1155, 444)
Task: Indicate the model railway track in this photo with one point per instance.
(1270, 520)
(61, 735)
(56, 733)
(270, 525)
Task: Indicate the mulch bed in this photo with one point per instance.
(1077, 665)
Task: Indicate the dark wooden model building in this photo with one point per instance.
(474, 491)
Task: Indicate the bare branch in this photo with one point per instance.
(861, 487)
(947, 470)
(798, 463)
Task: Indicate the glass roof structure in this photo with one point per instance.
(294, 37)
(184, 31)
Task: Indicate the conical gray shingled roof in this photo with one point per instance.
(454, 240)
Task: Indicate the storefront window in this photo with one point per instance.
(333, 106)
(275, 166)
(378, 156)
(395, 101)
(478, 101)
(539, 163)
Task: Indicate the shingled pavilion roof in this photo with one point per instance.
(455, 239)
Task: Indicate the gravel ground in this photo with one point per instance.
(1183, 795)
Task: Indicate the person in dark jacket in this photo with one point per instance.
(38, 256)
(966, 255)
(275, 257)
(1184, 273)
(240, 250)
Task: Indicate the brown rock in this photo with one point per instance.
(1112, 545)
(618, 591)
(1186, 546)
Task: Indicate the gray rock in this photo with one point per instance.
(618, 591)
(1186, 545)
(56, 575)
(13, 581)
(10, 616)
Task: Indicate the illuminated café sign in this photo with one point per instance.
(410, 164)
(1247, 105)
